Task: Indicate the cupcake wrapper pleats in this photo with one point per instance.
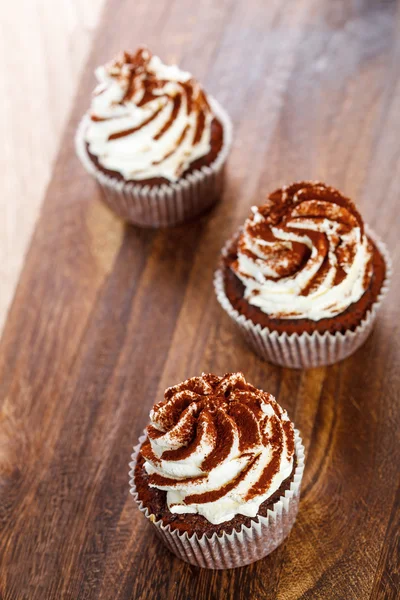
(236, 549)
(167, 204)
(305, 350)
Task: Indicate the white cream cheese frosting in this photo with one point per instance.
(147, 119)
(304, 254)
(218, 446)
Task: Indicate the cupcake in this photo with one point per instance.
(303, 279)
(154, 141)
(218, 471)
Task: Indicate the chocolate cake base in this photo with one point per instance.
(346, 321)
(155, 501)
(216, 141)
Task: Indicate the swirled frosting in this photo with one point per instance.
(218, 446)
(147, 119)
(304, 254)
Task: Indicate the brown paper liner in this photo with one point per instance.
(167, 204)
(236, 549)
(305, 350)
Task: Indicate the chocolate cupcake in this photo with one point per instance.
(154, 141)
(304, 277)
(218, 471)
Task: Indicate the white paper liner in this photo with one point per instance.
(167, 204)
(236, 549)
(305, 350)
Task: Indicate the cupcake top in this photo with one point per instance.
(147, 119)
(304, 254)
(218, 446)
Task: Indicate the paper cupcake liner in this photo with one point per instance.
(305, 350)
(236, 549)
(167, 204)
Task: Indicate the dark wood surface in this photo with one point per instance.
(106, 316)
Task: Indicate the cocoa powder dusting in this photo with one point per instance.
(133, 71)
(369, 269)
(125, 132)
(272, 468)
(346, 321)
(301, 203)
(289, 433)
(209, 412)
(169, 411)
(161, 481)
(155, 501)
(177, 144)
(175, 109)
(154, 433)
(205, 427)
(247, 425)
(184, 431)
(201, 120)
(224, 441)
(148, 453)
(318, 278)
(220, 492)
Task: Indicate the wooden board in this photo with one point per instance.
(55, 42)
(106, 316)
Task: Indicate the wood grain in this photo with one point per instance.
(43, 48)
(106, 316)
